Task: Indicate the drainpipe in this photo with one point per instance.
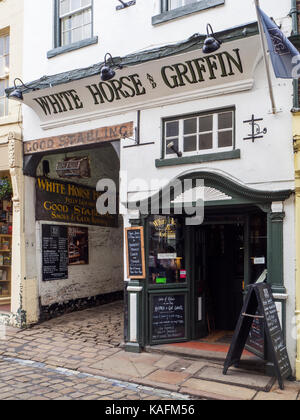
(294, 15)
(295, 31)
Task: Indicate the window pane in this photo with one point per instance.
(75, 4)
(77, 35)
(85, 3)
(2, 107)
(173, 4)
(66, 24)
(166, 250)
(2, 66)
(206, 123)
(175, 143)
(87, 16)
(172, 129)
(64, 7)
(190, 144)
(67, 38)
(77, 20)
(205, 141)
(225, 120)
(225, 138)
(2, 87)
(2, 45)
(190, 126)
(87, 31)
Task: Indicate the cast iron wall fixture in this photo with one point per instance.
(256, 130)
(124, 4)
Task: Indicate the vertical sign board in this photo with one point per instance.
(135, 249)
(260, 306)
(55, 252)
(168, 318)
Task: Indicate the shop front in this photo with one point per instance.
(197, 275)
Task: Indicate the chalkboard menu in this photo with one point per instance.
(256, 339)
(260, 307)
(55, 252)
(274, 331)
(135, 253)
(168, 317)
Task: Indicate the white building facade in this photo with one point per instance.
(170, 113)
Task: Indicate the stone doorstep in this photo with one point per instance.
(238, 377)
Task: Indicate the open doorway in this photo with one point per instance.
(230, 253)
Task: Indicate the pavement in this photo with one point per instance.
(55, 357)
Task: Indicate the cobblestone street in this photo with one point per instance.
(34, 381)
(99, 325)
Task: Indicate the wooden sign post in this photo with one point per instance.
(259, 306)
(135, 249)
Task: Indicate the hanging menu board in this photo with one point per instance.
(275, 336)
(135, 253)
(168, 317)
(55, 252)
(260, 306)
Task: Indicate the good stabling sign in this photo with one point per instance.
(135, 249)
(260, 307)
(168, 317)
(55, 252)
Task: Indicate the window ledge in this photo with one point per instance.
(211, 157)
(186, 10)
(72, 47)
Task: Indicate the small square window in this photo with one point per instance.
(200, 134)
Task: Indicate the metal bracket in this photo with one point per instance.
(124, 4)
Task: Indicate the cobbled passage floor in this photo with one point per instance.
(24, 380)
(100, 325)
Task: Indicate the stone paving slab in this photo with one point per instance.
(228, 391)
(236, 377)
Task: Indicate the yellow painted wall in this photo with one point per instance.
(11, 20)
(24, 295)
(296, 132)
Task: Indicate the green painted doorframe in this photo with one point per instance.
(241, 197)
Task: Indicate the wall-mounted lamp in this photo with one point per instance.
(107, 73)
(171, 146)
(17, 93)
(211, 43)
(125, 4)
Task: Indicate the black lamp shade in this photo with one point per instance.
(211, 45)
(17, 95)
(107, 73)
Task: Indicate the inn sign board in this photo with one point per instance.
(230, 69)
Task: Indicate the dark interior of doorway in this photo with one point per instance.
(226, 248)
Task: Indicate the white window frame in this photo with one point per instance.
(215, 148)
(61, 17)
(5, 78)
(169, 8)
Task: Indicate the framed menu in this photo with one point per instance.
(55, 252)
(135, 250)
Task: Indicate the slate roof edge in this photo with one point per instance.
(192, 43)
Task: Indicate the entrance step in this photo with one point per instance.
(250, 374)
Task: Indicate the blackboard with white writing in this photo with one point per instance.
(260, 307)
(55, 252)
(168, 317)
(135, 253)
